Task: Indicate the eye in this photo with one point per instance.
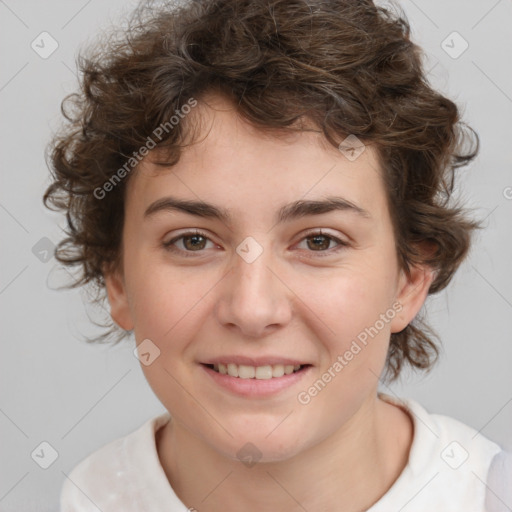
(197, 241)
(193, 241)
(320, 242)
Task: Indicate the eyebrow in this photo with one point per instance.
(295, 210)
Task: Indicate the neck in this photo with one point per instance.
(349, 470)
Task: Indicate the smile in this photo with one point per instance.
(255, 372)
(256, 377)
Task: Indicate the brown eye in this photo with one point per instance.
(187, 243)
(322, 243)
(194, 242)
(319, 242)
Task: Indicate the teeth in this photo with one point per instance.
(259, 372)
(263, 372)
(233, 370)
(277, 370)
(246, 372)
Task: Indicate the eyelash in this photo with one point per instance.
(169, 246)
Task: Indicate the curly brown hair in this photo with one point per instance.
(348, 66)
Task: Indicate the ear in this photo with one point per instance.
(118, 299)
(412, 292)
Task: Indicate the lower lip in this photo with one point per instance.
(255, 387)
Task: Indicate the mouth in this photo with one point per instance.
(265, 372)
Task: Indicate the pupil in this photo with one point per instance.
(194, 244)
(323, 245)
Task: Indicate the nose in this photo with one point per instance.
(254, 298)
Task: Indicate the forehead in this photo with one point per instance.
(246, 168)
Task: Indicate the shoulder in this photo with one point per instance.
(460, 442)
(115, 476)
(448, 464)
(489, 471)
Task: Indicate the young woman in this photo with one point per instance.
(262, 190)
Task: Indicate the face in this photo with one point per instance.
(293, 262)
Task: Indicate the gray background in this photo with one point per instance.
(77, 397)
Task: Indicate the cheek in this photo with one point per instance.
(350, 300)
(354, 312)
(164, 300)
(357, 309)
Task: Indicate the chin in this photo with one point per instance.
(251, 449)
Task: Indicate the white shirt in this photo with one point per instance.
(451, 468)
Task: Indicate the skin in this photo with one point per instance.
(346, 447)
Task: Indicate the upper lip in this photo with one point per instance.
(254, 361)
